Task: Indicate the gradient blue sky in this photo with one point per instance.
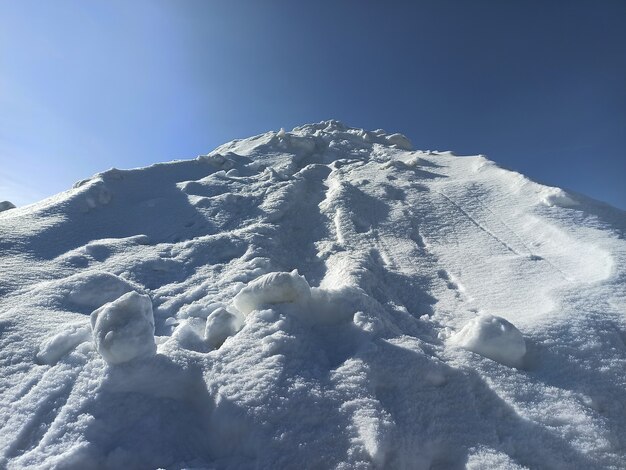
(538, 86)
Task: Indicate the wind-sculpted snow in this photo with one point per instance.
(321, 298)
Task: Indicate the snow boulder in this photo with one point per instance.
(189, 334)
(271, 289)
(492, 337)
(124, 329)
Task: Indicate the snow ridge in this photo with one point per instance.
(326, 297)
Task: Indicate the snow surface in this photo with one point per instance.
(320, 298)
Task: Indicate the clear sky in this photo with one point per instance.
(537, 86)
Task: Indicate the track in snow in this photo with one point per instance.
(347, 363)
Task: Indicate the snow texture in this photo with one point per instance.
(220, 325)
(325, 297)
(61, 344)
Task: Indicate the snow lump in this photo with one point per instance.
(494, 338)
(124, 329)
(270, 289)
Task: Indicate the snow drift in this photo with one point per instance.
(320, 298)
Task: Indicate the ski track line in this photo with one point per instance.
(521, 240)
(489, 232)
(479, 225)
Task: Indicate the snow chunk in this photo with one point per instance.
(59, 345)
(219, 161)
(293, 295)
(220, 325)
(6, 205)
(270, 289)
(492, 337)
(124, 329)
(557, 197)
(190, 334)
(400, 141)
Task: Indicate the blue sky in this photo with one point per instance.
(538, 86)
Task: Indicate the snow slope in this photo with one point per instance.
(321, 298)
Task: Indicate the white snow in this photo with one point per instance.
(61, 344)
(324, 297)
(124, 329)
(494, 338)
(271, 289)
(221, 324)
(95, 289)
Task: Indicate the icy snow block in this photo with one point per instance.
(494, 338)
(124, 329)
(271, 289)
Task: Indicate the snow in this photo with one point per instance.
(124, 329)
(61, 344)
(494, 338)
(221, 324)
(325, 297)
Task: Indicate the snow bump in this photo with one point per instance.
(494, 338)
(271, 289)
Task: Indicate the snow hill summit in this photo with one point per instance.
(321, 298)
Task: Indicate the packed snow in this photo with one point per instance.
(325, 297)
(492, 337)
(124, 329)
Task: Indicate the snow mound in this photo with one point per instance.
(189, 334)
(220, 325)
(62, 343)
(271, 289)
(291, 294)
(557, 197)
(300, 285)
(400, 141)
(94, 289)
(124, 329)
(494, 338)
